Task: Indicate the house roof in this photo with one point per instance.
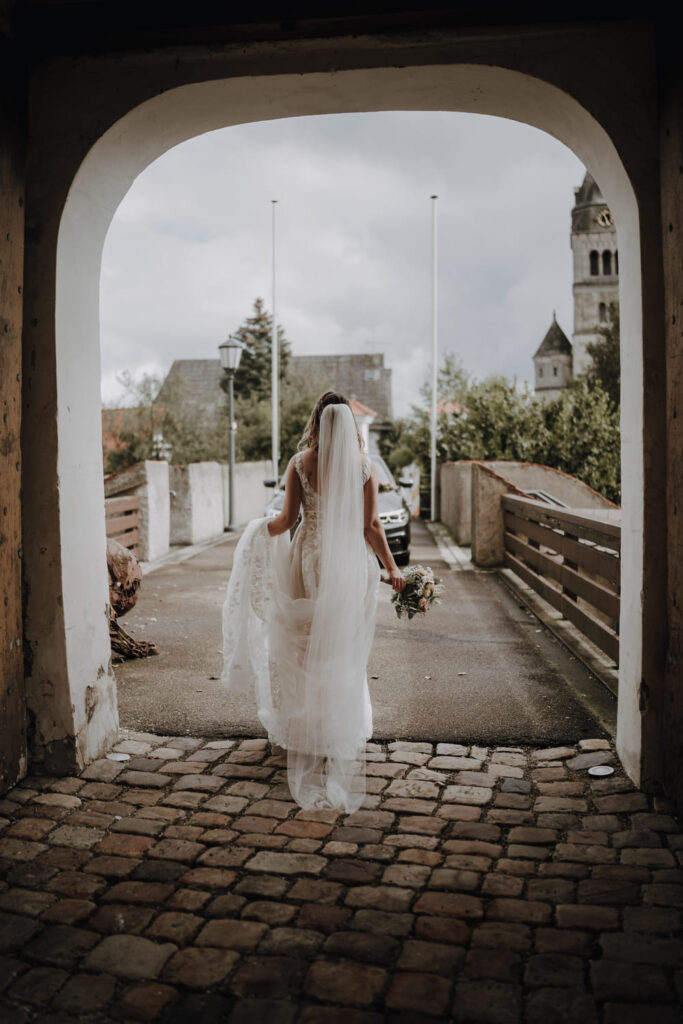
(358, 375)
(555, 342)
(362, 377)
(450, 408)
(358, 409)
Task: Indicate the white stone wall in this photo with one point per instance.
(251, 497)
(456, 491)
(154, 516)
(412, 494)
(196, 502)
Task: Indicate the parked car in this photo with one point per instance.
(394, 513)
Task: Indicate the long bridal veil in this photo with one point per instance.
(307, 653)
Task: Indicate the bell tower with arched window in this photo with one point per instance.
(596, 267)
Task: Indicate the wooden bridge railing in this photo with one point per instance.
(572, 559)
(121, 518)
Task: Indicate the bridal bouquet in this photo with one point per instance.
(422, 590)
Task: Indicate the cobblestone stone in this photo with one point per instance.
(357, 984)
(200, 968)
(129, 956)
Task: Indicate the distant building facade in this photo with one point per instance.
(595, 288)
(360, 376)
(195, 384)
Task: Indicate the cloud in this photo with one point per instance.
(190, 246)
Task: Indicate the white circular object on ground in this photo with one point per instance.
(119, 757)
(601, 769)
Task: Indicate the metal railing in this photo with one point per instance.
(572, 560)
(121, 519)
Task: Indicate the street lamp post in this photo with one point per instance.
(231, 352)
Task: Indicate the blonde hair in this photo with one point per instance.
(311, 434)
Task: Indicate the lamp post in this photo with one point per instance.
(231, 352)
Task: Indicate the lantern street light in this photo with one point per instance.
(231, 352)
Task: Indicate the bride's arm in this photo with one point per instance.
(290, 510)
(374, 531)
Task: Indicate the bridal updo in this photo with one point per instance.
(312, 432)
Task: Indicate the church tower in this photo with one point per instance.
(553, 362)
(596, 267)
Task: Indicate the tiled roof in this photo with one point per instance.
(358, 409)
(196, 383)
(358, 375)
(555, 342)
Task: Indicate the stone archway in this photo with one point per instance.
(77, 715)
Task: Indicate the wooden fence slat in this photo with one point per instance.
(130, 539)
(601, 563)
(121, 520)
(127, 503)
(604, 533)
(120, 524)
(596, 631)
(600, 597)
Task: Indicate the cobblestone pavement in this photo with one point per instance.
(477, 885)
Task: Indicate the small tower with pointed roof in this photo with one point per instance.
(553, 362)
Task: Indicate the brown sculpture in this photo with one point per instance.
(125, 577)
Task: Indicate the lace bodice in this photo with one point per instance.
(310, 499)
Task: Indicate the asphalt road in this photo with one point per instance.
(477, 669)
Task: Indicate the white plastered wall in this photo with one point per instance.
(176, 115)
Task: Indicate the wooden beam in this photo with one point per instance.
(600, 597)
(13, 761)
(595, 561)
(596, 631)
(606, 534)
(115, 506)
(120, 524)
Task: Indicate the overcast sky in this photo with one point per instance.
(190, 246)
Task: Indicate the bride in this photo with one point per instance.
(298, 619)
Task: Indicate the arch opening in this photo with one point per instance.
(155, 126)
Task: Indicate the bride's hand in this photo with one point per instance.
(397, 580)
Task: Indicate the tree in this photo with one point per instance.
(134, 433)
(254, 441)
(452, 382)
(147, 429)
(581, 437)
(606, 366)
(501, 422)
(577, 432)
(254, 376)
(408, 440)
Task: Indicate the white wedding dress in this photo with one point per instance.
(298, 623)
